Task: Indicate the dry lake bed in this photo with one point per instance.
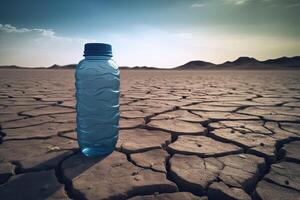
(183, 135)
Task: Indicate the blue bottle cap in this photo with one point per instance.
(97, 49)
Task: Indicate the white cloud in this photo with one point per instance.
(293, 5)
(236, 2)
(197, 5)
(8, 28)
(45, 33)
(243, 2)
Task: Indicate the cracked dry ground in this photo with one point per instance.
(183, 135)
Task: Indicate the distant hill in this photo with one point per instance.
(10, 67)
(252, 63)
(140, 68)
(197, 64)
(71, 66)
(19, 67)
(245, 63)
(242, 63)
(284, 62)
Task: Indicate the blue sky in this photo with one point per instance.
(159, 33)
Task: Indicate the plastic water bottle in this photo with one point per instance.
(97, 95)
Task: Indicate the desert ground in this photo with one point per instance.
(183, 135)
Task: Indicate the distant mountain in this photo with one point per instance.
(124, 67)
(197, 64)
(71, 66)
(245, 63)
(19, 67)
(10, 67)
(138, 68)
(144, 67)
(284, 62)
(242, 63)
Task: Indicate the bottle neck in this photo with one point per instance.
(97, 57)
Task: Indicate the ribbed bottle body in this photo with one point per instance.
(97, 95)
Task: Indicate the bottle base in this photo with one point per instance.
(96, 152)
(97, 149)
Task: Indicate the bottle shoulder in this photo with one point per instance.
(97, 67)
(97, 63)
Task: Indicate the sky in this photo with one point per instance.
(156, 33)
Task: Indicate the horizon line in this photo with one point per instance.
(145, 66)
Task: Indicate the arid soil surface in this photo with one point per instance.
(183, 135)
